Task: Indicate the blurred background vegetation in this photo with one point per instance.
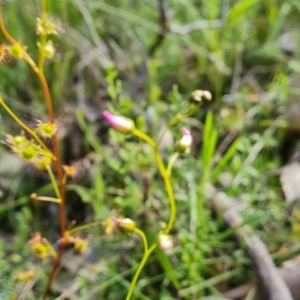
(142, 59)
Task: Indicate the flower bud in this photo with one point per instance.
(125, 225)
(16, 50)
(165, 242)
(121, 124)
(183, 146)
(199, 96)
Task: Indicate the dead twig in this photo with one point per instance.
(271, 282)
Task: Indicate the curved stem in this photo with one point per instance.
(14, 42)
(169, 190)
(144, 137)
(139, 270)
(144, 239)
(165, 176)
(171, 163)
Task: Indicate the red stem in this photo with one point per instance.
(57, 162)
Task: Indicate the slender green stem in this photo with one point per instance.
(139, 270)
(44, 10)
(170, 192)
(43, 40)
(25, 127)
(171, 163)
(142, 235)
(144, 137)
(167, 180)
(41, 59)
(54, 183)
(165, 176)
(83, 227)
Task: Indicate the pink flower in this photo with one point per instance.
(121, 124)
(185, 143)
(165, 242)
(185, 131)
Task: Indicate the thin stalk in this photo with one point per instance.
(165, 176)
(54, 183)
(144, 137)
(143, 237)
(48, 199)
(41, 59)
(83, 227)
(171, 163)
(169, 189)
(139, 270)
(44, 9)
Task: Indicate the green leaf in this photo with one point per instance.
(240, 10)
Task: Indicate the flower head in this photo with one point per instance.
(121, 124)
(47, 130)
(185, 143)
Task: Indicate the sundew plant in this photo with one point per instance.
(39, 146)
